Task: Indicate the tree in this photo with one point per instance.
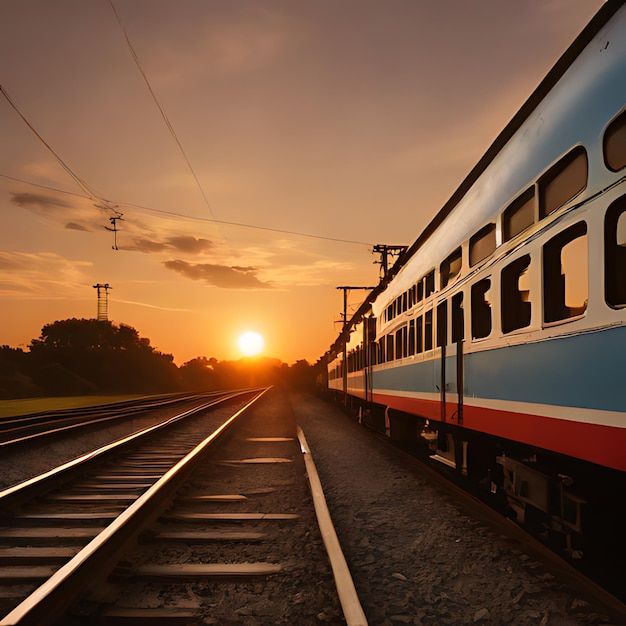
(198, 374)
(112, 359)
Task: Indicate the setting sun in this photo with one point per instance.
(250, 343)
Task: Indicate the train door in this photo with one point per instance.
(449, 380)
(369, 342)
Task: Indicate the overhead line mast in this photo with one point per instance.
(103, 301)
(386, 252)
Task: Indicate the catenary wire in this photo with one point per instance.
(161, 110)
(195, 218)
(79, 181)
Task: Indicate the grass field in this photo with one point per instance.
(10, 408)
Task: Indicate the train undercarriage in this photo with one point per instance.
(575, 507)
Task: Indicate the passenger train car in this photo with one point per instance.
(497, 341)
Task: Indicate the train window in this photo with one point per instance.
(419, 335)
(481, 309)
(420, 291)
(390, 346)
(565, 281)
(515, 301)
(456, 323)
(614, 144)
(411, 338)
(428, 330)
(411, 294)
(450, 269)
(563, 181)
(404, 302)
(401, 349)
(519, 215)
(615, 254)
(429, 283)
(382, 353)
(482, 244)
(442, 324)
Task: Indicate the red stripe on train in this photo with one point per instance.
(604, 445)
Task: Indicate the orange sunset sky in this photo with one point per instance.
(300, 134)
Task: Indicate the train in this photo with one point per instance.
(495, 344)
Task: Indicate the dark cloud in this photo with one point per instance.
(148, 246)
(41, 201)
(219, 275)
(190, 244)
(181, 243)
(75, 226)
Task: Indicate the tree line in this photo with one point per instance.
(88, 356)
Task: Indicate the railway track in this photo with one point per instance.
(24, 429)
(162, 529)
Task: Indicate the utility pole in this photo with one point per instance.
(103, 301)
(386, 252)
(114, 221)
(346, 289)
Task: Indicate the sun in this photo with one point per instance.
(250, 343)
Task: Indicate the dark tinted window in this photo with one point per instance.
(519, 215)
(429, 284)
(442, 323)
(614, 145)
(428, 330)
(450, 269)
(563, 182)
(481, 309)
(615, 254)
(456, 311)
(565, 282)
(515, 300)
(411, 339)
(419, 335)
(482, 244)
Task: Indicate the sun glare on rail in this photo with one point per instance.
(250, 343)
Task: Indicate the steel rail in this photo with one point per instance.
(32, 487)
(136, 403)
(99, 556)
(348, 597)
(70, 418)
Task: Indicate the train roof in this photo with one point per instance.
(545, 86)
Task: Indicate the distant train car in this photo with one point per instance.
(497, 341)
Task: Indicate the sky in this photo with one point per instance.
(255, 152)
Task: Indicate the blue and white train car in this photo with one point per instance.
(503, 327)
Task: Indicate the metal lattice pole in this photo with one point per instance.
(103, 301)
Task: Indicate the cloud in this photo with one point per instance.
(146, 245)
(37, 200)
(75, 226)
(180, 243)
(152, 306)
(42, 274)
(190, 244)
(234, 277)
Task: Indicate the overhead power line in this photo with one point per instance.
(194, 218)
(161, 110)
(79, 181)
(91, 194)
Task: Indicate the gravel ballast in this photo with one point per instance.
(415, 557)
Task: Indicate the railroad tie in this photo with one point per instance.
(203, 570)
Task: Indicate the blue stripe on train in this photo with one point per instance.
(586, 371)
